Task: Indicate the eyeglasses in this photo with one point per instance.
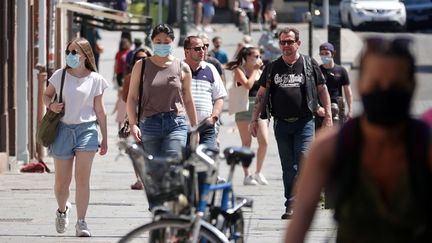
(206, 45)
(74, 52)
(396, 44)
(198, 48)
(287, 42)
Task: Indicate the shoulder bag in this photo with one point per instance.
(124, 132)
(47, 130)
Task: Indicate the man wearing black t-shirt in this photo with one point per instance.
(336, 78)
(295, 84)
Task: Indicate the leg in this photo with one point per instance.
(302, 140)
(198, 13)
(176, 135)
(63, 177)
(83, 163)
(262, 138)
(151, 130)
(246, 138)
(284, 139)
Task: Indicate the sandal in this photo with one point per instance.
(137, 186)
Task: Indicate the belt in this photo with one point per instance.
(291, 119)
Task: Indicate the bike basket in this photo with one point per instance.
(163, 180)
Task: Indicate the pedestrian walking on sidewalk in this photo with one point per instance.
(208, 91)
(167, 97)
(77, 137)
(379, 165)
(247, 71)
(295, 83)
(217, 51)
(337, 79)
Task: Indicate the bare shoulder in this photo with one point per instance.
(185, 67)
(323, 148)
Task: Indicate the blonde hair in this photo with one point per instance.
(85, 47)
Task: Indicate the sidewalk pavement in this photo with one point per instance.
(28, 205)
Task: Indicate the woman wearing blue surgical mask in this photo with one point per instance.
(77, 135)
(166, 98)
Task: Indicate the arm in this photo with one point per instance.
(48, 99)
(132, 100)
(102, 121)
(349, 99)
(259, 100)
(313, 176)
(187, 94)
(240, 77)
(325, 101)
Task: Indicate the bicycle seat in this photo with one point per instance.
(235, 155)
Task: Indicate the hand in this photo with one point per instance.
(349, 115)
(258, 64)
(253, 128)
(321, 112)
(103, 147)
(136, 132)
(56, 107)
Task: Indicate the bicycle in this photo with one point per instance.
(176, 197)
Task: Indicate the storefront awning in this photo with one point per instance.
(107, 18)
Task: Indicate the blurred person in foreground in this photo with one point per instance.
(379, 165)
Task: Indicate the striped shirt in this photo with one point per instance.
(207, 87)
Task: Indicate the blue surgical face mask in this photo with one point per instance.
(326, 59)
(73, 61)
(162, 50)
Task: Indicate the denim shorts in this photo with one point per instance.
(208, 10)
(75, 137)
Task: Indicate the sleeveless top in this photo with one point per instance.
(162, 89)
(365, 217)
(255, 87)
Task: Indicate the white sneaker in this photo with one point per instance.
(261, 179)
(62, 219)
(208, 29)
(250, 181)
(81, 229)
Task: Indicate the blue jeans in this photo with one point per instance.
(164, 134)
(293, 140)
(208, 136)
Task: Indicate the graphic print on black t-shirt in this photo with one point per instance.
(288, 91)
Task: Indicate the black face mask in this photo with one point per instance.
(387, 107)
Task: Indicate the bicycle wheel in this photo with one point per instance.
(173, 230)
(232, 226)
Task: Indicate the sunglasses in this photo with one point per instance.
(198, 48)
(287, 42)
(206, 45)
(74, 52)
(396, 44)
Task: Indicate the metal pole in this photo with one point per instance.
(184, 21)
(22, 79)
(310, 30)
(160, 12)
(326, 13)
(4, 131)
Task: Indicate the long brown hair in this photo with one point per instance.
(85, 47)
(240, 58)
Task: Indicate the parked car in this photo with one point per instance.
(376, 13)
(419, 13)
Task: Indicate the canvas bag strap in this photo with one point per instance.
(141, 86)
(61, 85)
